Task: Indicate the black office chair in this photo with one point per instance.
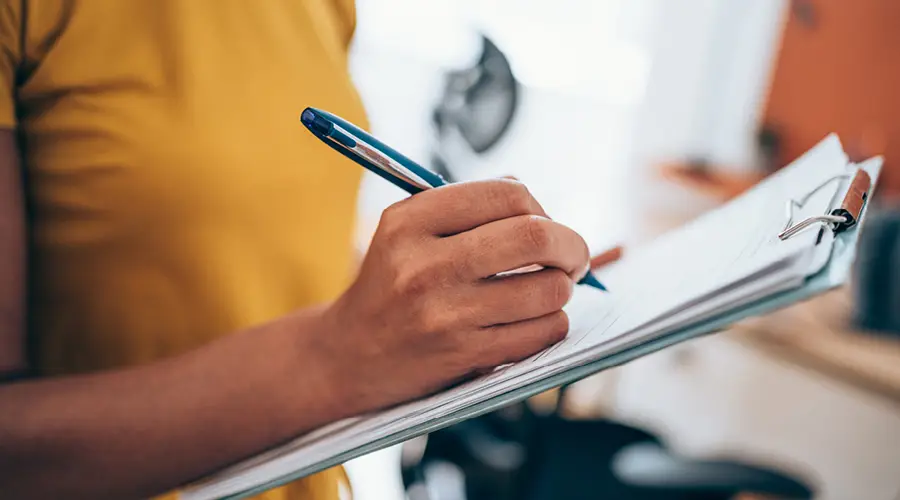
(515, 454)
(651, 468)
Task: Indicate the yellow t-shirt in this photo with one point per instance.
(174, 195)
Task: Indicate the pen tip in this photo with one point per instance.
(590, 280)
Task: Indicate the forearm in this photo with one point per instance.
(142, 431)
(12, 260)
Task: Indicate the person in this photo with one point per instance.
(178, 284)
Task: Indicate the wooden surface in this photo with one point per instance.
(713, 181)
(818, 335)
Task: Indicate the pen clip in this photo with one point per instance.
(380, 160)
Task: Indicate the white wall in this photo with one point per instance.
(741, 69)
(711, 64)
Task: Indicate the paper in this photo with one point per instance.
(721, 261)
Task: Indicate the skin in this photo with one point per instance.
(422, 314)
(12, 259)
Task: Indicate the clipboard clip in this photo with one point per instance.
(839, 219)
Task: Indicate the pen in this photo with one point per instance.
(381, 159)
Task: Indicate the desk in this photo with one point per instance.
(817, 335)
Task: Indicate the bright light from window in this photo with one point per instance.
(588, 47)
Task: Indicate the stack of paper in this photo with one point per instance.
(721, 262)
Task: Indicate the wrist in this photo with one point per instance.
(321, 369)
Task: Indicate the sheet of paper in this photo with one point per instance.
(719, 261)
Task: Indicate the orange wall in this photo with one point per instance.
(840, 72)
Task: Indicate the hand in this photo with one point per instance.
(426, 311)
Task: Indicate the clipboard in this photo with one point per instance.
(845, 221)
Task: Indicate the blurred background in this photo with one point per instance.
(627, 118)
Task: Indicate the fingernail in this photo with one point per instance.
(576, 277)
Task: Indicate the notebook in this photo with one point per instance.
(722, 267)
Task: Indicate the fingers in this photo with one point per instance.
(502, 344)
(519, 241)
(607, 257)
(516, 298)
(460, 207)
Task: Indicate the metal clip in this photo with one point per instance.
(838, 219)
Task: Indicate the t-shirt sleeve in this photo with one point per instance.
(10, 55)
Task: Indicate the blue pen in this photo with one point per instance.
(378, 157)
